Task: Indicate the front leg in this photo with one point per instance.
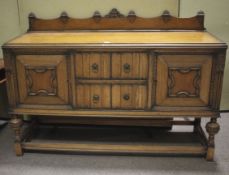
(212, 128)
(16, 124)
(197, 124)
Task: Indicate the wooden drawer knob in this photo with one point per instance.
(95, 98)
(126, 97)
(95, 67)
(126, 68)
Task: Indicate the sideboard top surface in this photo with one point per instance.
(117, 37)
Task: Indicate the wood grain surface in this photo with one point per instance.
(114, 37)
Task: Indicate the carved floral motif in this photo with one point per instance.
(114, 13)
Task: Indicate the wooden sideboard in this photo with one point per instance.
(116, 70)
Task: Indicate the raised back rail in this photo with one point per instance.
(117, 21)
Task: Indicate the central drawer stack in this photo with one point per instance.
(112, 80)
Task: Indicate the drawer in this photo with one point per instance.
(129, 65)
(93, 96)
(129, 96)
(92, 65)
(183, 80)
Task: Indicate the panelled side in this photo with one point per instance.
(183, 80)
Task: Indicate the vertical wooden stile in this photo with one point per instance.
(72, 78)
(151, 58)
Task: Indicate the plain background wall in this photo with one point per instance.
(14, 16)
(9, 21)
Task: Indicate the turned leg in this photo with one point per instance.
(16, 124)
(212, 128)
(197, 122)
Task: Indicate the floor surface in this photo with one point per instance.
(71, 164)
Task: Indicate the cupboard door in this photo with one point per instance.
(129, 65)
(129, 96)
(92, 65)
(42, 79)
(93, 96)
(183, 80)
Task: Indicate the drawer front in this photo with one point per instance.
(42, 79)
(129, 96)
(129, 65)
(92, 65)
(93, 96)
(183, 80)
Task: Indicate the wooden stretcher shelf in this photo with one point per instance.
(123, 140)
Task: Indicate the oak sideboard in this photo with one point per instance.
(116, 70)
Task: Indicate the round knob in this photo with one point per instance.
(126, 97)
(95, 67)
(126, 68)
(95, 98)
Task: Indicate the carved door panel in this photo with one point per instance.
(183, 80)
(93, 96)
(42, 79)
(92, 65)
(129, 96)
(129, 65)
